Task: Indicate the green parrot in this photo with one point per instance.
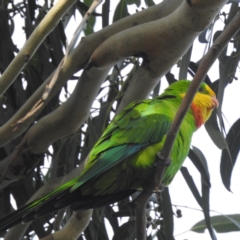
(122, 160)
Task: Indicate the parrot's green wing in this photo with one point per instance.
(136, 128)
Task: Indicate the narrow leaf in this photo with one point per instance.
(200, 163)
(108, 213)
(228, 162)
(91, 21)
(214, 132)
(149, 3)
(126, 231)
(137, 2)
(205, 207)
(202, 38)
(121, 11)
(185, 64)
(161, 235)
(221, 223)
(167, 214)
(188, 178)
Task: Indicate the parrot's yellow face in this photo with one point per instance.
(203, 104)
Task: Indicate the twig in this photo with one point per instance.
(74, 227)
(58, 219)
(81, 25)
(205, 64)
(40, 103)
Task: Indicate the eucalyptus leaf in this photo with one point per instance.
(205, 207)
(91, 21)
(227, 161)
(200, 163)
(221, 224)
(214, 132)
(120, 11)
(167, 214)
(149, 3)
(189, 180)
(137, 2)
(126, 231)
(202, 36)
(185, 63)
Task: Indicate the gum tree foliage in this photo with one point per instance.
(140, 50)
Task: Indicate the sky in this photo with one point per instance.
(220, 200)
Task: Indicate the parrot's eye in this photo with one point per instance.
(201, 90)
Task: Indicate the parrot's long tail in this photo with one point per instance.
(37, 208)
(56, 200)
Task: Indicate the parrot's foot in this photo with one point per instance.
(159, 189)
(162, 160)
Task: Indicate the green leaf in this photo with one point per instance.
(91, 21)
(185, 63)
(126, 231)
(149, 3)
(6, 39)
(221, 223)
(98, 220)
(105, 13)
(214, 132)
(188, 178)
(161, 235)
(137, 2)
(156, 90)
(124, 211)
(227, 69)
(205, 207)
(200, 163)
(202, 38)
(228, 162)
(167, 214)
(108, 213)
(121, 10)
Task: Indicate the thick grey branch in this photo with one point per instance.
(78, 58)
(172, 41)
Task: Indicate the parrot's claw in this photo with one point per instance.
(162, 160)
(158, 189)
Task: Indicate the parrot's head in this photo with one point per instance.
(203, 103)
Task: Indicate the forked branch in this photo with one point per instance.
(205, 64)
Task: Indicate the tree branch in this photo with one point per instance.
(78, 58)
(169, 42)
(205, 64)
(74, 227)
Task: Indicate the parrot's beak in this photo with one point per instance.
(215, 102)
